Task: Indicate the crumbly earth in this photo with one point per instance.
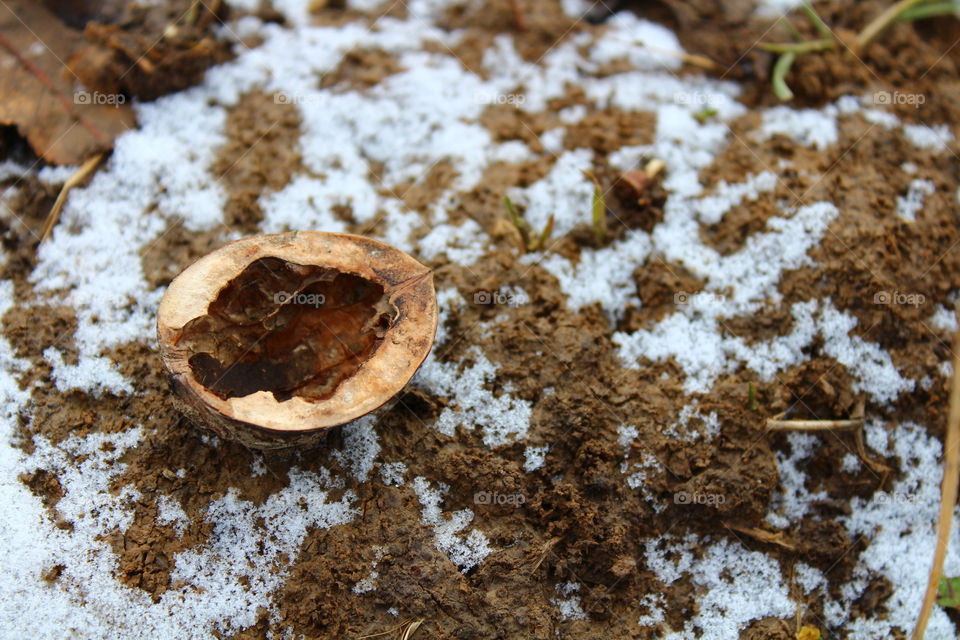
(579, 521)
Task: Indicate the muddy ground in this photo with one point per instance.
(579, 522)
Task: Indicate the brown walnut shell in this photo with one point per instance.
(273, 339)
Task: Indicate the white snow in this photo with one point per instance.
(711, 209)
(943, 319)
(393, 473)
(95, 373)
(722, 614)
(809, 127)
(306, 203)
(850, 463)
(535, 457)
(360, 446)
(465, 551)
(501, 419)
(936, 138)
(369, 583)
(809, 578)
(908, 205)
(568, 601)
(655, 605)
(722, 576)
(159, 177)
(565, 193)
(776, 8)
(645, 44)
(700, 347)
(791, 500)
(170, 512)
(900, 524)
(693, 425)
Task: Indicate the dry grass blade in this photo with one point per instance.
(382, 633)
(543, 555)
(692, 59)
(408, 629)
(78, 177)
(411, 629)
(882, 21)
(762, 535)
(877, 467)
(948, 494)
(777, 423)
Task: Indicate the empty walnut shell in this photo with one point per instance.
(272, 339)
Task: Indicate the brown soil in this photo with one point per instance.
(257, 158)
(580, 522)
(361, 69)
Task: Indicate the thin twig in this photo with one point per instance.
(777, 423)
(654, 167)
(948, 493)
(78, 176)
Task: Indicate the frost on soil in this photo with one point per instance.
(160, 176)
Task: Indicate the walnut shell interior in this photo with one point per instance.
(291, 329)
(280, 335)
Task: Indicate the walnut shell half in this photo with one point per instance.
(272, 339)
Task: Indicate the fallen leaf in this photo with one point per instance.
(63, 122)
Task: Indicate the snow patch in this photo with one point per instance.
(464, 551)
(501, 419)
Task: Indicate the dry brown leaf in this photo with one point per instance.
(41, 97)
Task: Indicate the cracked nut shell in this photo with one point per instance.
(272, 339)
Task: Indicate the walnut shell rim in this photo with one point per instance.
(258, 419)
